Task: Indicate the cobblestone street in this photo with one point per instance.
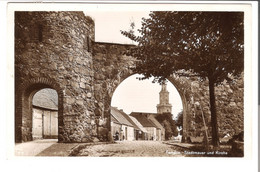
(132, 148)
(50, 147)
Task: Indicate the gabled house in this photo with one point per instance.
(151, 124)
(161, 131)
(116, 128)
(142, 133)
(152, 130)
(137, 130)
(121, 126)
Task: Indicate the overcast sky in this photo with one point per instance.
(132, 94)
(109, 23)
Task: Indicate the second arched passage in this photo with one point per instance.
(45, 114)
(24, 106)
(132, 96)
(111, 67)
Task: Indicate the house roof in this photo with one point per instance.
(130, 120)
(143, 120)
(46, 98)
(155, 121)
(138, 124)
(120, 116)
(113, 119)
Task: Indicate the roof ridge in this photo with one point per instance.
(122, 119)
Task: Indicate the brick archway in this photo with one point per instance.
(23, 111)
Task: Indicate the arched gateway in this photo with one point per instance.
(57, 50)
(24, 96)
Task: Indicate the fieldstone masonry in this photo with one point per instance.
(58, 50)
(56, 46)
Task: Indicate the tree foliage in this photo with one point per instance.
(179, 119)
(169, 125)
(209, 45)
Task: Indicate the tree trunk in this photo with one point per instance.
(214, 121)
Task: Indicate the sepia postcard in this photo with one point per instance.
(168, 80)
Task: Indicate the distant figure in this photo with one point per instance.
(123, 137)
(117, 135)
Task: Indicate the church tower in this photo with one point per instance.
(164, 106)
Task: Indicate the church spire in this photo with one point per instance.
(164, 106)
(164, 86)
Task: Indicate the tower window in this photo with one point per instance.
(87, 44)
(36, 32)
(40, 28)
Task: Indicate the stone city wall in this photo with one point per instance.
(58, 50)
(57, 46)
(229, 107)
(111, 67)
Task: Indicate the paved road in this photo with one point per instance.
(33, 148)
(118, 149)
(45, 147)
(132, 149)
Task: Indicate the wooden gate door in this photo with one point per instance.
(37, 124)
(54, 125)
(50, 125)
